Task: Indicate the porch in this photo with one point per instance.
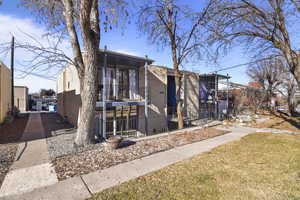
(122, 99)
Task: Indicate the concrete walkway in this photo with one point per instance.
(85, 186)
(277, 131)
(32, 168)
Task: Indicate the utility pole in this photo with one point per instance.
(12, 73)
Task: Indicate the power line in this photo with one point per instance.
(240, 65)
(37, 75)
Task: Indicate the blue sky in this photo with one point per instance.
(14, 18)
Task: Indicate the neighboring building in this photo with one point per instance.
(126, 86)
(5, 91)
(21, 98)
(255, 84)
(45, 103)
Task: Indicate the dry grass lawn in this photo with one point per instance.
(259, 166)
(280, 121)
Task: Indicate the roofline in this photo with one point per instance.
(127, 55)
(214, 74)
(3, 65)
(20, 86)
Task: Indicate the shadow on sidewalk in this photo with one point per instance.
(53, 122)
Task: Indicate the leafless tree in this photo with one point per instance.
(264, 26)
(180, 29)
(80, 21)
(238, 97)
(269, 74)
(287, 89)
(255, 98)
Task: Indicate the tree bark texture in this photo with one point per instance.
(90, 33)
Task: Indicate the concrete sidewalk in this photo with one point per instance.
(85, 186)
(32, 168)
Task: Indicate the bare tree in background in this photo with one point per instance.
(269, 74)
(255, 98)
(79, 20)
(239, 97)
(287, 89)
(177, 27)
(264, 26)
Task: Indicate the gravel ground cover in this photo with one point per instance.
(7, 156)
(62, 145)
(10, 134)
(99, 156)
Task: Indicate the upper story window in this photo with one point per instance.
(120, 84)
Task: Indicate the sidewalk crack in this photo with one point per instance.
(86, 186)
(22, 151)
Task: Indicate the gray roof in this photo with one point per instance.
(114, 57)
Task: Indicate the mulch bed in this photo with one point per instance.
(10, 134)
(103, 157)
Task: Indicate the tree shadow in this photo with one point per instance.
(126, 143)
(293, 121)
(54, 122)
(11, 132)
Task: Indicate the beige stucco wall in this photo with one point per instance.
(157, 109)
(5, 91)
(68, 80)
(21, 98)
(68, 94)
(191, 98)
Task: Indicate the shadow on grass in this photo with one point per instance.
(293, 121)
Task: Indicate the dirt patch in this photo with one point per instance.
(279, 120)
(11, 132)
(103, 157)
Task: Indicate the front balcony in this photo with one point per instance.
(122, 89)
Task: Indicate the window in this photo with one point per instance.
(123, 84)
(123, 81)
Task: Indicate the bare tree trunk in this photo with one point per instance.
(88, 98)
(178, 84)
(296, 73)
(291, 106)
(269, 97)
(291, 101)
(90, 32)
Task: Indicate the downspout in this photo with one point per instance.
(146, 96)
(104, 94)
